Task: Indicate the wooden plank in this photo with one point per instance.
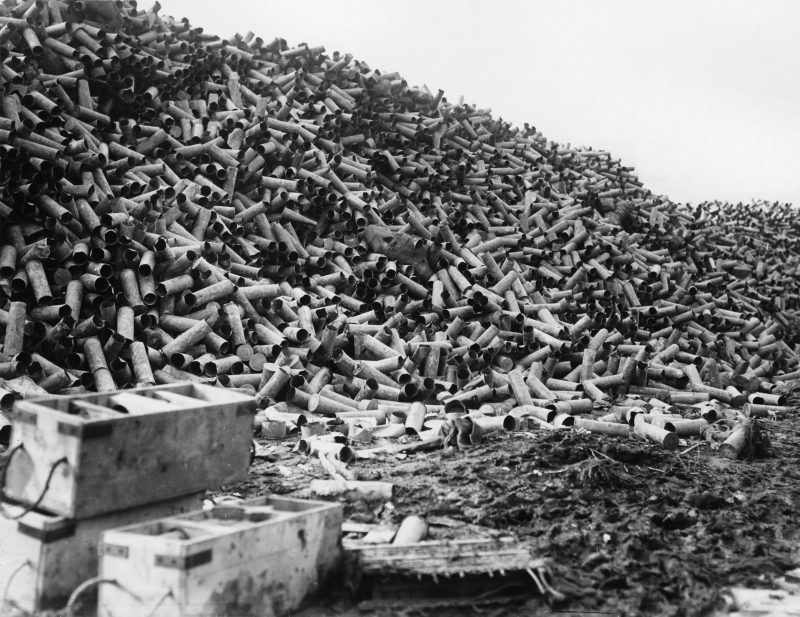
(756, 602)
(446, 557)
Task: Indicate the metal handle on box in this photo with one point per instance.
(69, 609)
(4, 598)
(35, 504)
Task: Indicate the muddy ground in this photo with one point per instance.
(629, 528)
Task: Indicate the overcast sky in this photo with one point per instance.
(701, 96)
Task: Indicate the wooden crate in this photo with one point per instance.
(114, 461)
(258, 558)
(44, 557)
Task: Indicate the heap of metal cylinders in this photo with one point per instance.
(302, 227)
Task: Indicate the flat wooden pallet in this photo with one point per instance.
(447, 558)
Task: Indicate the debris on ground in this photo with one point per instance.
(515, 335)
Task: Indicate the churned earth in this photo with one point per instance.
(629, 528)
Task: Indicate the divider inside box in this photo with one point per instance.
(109, 405)
(172, 526)
(231, 514)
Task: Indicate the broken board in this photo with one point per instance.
(762, 602)
(475, 571)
